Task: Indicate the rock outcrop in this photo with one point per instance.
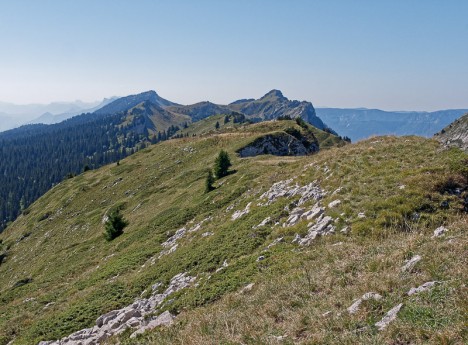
(455, 134)
(286, 189)
(133, 316)
(318, 225)
(279, 144)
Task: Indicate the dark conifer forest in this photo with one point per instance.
(34, 158)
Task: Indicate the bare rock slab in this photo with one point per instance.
(165, 319)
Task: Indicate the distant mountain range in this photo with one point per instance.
(14, 115)
(49, 118)
(357, 124)
(271, 106)
(7, 122)
(38, 109)
(362, 123)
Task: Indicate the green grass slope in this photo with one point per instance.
(58, 273)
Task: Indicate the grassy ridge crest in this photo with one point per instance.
(71, 274)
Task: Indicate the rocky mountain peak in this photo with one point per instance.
(273, 105)
(128, 102)
(273, 94)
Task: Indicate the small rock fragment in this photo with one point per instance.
(315, 212)
(389, 317)
(247, 288)
(337, 190)
(368, 295)
(334, 203)
(223, 266)
(421, 288)
(240, 213)
(263, 223)
(408, 266)
(275, 242)
(297, 239)
(322, 227)
(439, 231)
(279, 337)
(293, 219)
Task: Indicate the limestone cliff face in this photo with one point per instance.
(455, 134)
(279, 144)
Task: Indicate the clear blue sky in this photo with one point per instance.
(395, 54)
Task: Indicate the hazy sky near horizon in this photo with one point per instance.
(393, 55)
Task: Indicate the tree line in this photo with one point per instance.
(34, 158)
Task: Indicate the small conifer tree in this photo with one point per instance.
(300, 121)
(209, 182)
(114, 225)
(217, 125)
(222, 164)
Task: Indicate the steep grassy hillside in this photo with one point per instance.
(157, 119)
(35, 157)
(58, 273)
